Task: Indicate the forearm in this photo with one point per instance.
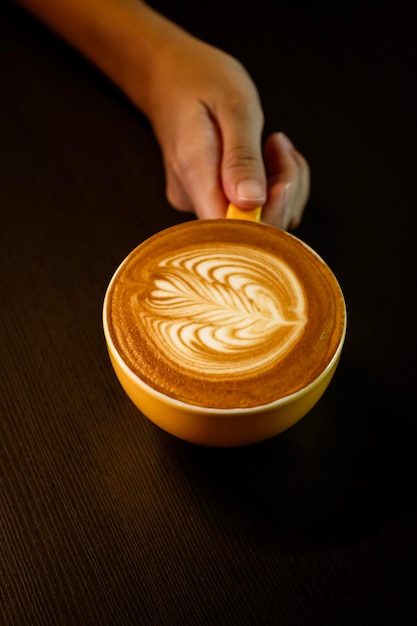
(123, 38)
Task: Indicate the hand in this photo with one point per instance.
(202, 104)
(206, 114)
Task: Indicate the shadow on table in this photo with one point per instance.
(341, 472)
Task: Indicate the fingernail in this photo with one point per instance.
(285, 195)
(285, 142)
(251, 189)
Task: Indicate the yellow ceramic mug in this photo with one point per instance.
(224, 332)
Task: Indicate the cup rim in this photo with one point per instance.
(206, 410)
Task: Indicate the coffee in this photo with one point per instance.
(225, 313)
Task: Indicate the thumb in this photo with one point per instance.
(242, 170)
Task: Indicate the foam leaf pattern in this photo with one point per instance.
(217, 313)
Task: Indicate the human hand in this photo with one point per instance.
(202, 104)
(207, 117)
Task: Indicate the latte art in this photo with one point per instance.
(224, 314)
(218, 313)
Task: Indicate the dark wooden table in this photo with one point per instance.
(104, 518)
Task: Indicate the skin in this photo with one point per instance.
(202, 104)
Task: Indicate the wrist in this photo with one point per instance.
(148, 45)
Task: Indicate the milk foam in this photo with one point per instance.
(223, 312)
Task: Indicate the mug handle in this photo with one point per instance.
(253, 215)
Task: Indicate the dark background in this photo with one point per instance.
(105, 519)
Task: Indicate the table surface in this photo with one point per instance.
(105, 519)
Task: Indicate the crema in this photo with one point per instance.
(225, 313)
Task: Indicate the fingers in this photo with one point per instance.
(288, 176)
(193, 178)
(218, 156)
(243, 175)
(192, 167)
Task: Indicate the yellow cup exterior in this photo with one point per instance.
(217, 427)
(220, 427)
